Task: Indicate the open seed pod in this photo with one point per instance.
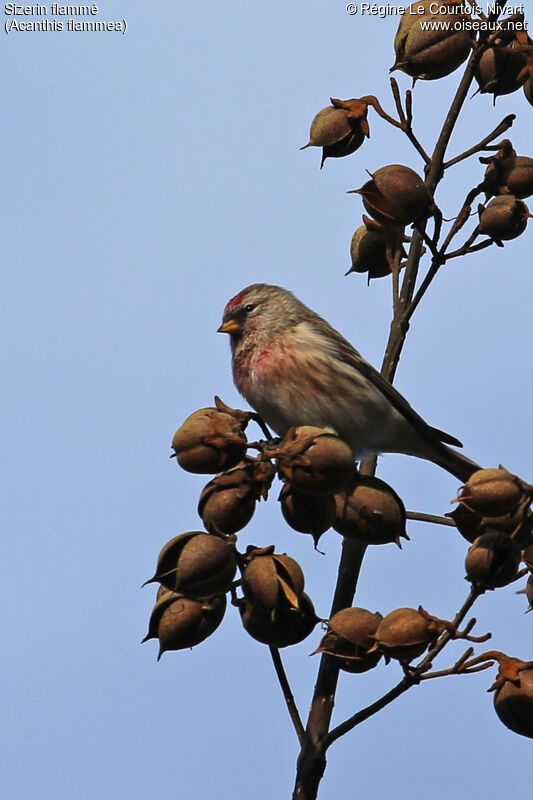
(373, 245)
(492, 560)
(283, 627)
(349, 637)
(439, 49)
(314, 460)
(272, 580)
(370, 511)
(528, 591)
(502, 69)
(527, 555)
(197, 563)
(504, 218)
(180, 622)
(467, 522)
(508, 173)
(528, 90)
(513, 698)
(212, 439)
(340, 129)
(492, 492)
(307, 513)
(396, 195)
(405, 633)
(227, 503)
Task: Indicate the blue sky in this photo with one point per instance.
(147, 178)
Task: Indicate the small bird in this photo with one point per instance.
(294, 368)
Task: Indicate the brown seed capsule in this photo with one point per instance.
(370, 511)
(283, 627)
(396, 195)
(492, 560)
(501, 69)
(307, 513)
(197, 563)
(513, 699)
(179, 622)
(211, 439)
(527, 555)
(349, 637)
(272, 580)
(227, 507)
(340, 129)
(438, 48)
(227, 503)
(528, 90)
(504, 218)
(373, 248)
(528, 591)
(314, 460)
(509, 174)
(405, 633)
(492, 492)
(467, 522)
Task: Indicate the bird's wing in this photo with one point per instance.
(347, 353)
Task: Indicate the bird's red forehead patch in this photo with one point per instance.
(236, 301)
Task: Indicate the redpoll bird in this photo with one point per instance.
(295, 369)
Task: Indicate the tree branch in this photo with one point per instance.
(287, 693)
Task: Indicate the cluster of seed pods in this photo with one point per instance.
(433, 40)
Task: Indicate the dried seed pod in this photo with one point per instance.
(227, 503)
(349, 637)
(307, 513)
(527, 555)
(370, 511)
(227, 506)
(162, 591)
(179, 622)
(211, 439)
(492, 560)
(371, 246)
(405, 633)
(492, 492)
(396, 195)
(513, 699)
(502, 69)
(340, 129)
(283, 627)
(528, 591)
(467, 522)
(439, 48)
(314, 460)
(509, 174)
(528, 90)
(272, 580)
(197, 563)
(504, 218)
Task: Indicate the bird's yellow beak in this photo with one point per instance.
(230, 326)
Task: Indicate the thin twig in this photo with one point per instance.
(367, 712)
(504, 125)
(287, 694)
(463, 251)
(420, 517)
(443, 640)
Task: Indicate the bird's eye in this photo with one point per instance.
(249, 307)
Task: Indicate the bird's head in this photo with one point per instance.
(263, 310)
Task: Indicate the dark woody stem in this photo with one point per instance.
(312, 759)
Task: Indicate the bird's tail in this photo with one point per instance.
(456, 463)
